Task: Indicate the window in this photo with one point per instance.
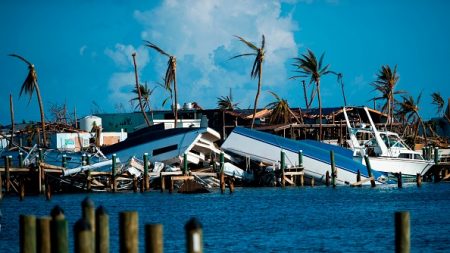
(159, 151)
(404, 155)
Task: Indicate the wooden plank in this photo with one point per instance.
(361, 182)
(16, 170)
(181, 177)
(171, 173)
(289, 181)
(204, 174)
(294, 173)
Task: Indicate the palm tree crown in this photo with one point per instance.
(410, 108)
(226, 103)
(256, 68)
(281, 112)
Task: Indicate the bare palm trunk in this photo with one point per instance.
(320, 110)
(305, 95)
(11, 110)
(176, 96)
(343, 95)
(41, 109)
(256, 98)
(139, 91)
(423, 127)
(313, 94)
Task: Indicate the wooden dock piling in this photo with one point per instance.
(83, 239)
(369, 171)
(399, 180)
(27, 233)
(282, 168)
(21, 190)
(163, 182)
(7, 175)
(327, 178)
(88, 213)
(113, 173)
(154, 238)
(419, 180)
(43, 235)
(194, 236)
(300, 158)
(402, 232)
(146, 177)
(59, 231)
(101, 230)
(20, 157)
(222, 175)
(128, 232)
(185, 164)
(358, 178)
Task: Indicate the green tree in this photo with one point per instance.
(28, 87)
(281, 112)
(170, 79)
(410, 108)
(385, 83)
(308, 66)
(256, 69)
(143, 95)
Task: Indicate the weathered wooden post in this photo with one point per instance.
(436, 155)
(43, 235)
(113, 173)
(171, 184)
(154, 242)
(402, 232)
(40, 171)
(48, 191)
(88, 213)
(21, 190)
(282, 167)
(163, 182)
(333, 169)
(358, 178)
(194, 236)
(7, 175)
(369, 170)
(135, 184)
(185, 164)
(300, 158)
(424, 153)
(327, 178)
(302, 180)
(222, 172)
(231, 184)
(146, 177)
(88, 174)
(59, 231)
(419, 180)
(83, 239)
(101, 230)
(399, 180)
(20, 159)
(128, 232)
(312, 182)
(64, 161)
(27, 233)
(41, 155)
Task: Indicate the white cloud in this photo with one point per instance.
(193, 31)
(120, 86)
(121, 55)
(82, 49)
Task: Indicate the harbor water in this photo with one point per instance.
(293, 219)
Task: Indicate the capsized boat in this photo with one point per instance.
(266, 148)
(167, 145)
(387, 152)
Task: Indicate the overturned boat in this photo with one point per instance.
(167, 145)
(266, 148)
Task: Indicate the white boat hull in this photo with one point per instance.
(408, 167)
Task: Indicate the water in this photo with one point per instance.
(306, 219)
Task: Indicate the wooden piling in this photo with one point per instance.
(312, 182)
(48, 192)
(194, 236)
(163, 182)
(402, 232)
(300, 158)
(39, 178)
(7, 175)
(88, 174)
(171, 185)
(64, 161)
(41, 155)
(358, 178)
(302, 180)
(369, 170)
(154, 238)
(135, 184)
(88, 213)
(1, 186)
(113, 173)
(436, 155)
(231, 184)
(27, 227)
(282, 167)
(59, 231)
(43, 235)
(21, 190)
(399, 180)
(185, 164)
(101, 230)
(222, 173)
(146, 177)
(327, 178)
(333, 169)
(128, 232)
(20, 157)
(419, 180)
(83, 239)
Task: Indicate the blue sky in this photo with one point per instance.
(82, 49)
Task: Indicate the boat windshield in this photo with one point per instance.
(392, 141)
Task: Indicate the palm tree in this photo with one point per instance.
(257, 67)
(439, 102)
(308, 66)
(170, 79)
(29, 86)
(138, 89)
(226, 103)
(281, 112)
(340, 80)
(143, 95)
(410, 108)
(386, 81)
(11, 110)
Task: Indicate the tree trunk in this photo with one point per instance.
(41, 109)
(305, 95)
(343, 94)
(11, 110)
(175, 94)
(423, 127)
(320, 110)
(256, 97)
(139, 91)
